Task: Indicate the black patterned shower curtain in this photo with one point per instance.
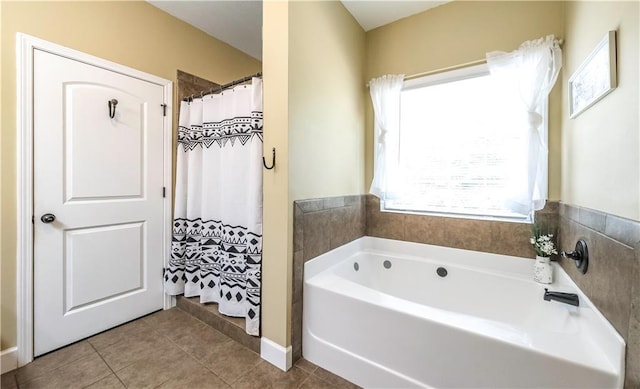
(216, 250)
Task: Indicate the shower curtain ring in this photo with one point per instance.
(273, 160)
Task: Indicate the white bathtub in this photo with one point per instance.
(484, 325)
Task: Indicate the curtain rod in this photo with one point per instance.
(455, 67)
(442, 70)
(447, 69)
(221, 88)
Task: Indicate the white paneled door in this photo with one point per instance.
(98, 199)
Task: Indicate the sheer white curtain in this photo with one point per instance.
(216, 248)
(527, 75)
(385, 96)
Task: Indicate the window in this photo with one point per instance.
(460, 141)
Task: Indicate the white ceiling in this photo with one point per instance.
(372, 14)
(239, 23)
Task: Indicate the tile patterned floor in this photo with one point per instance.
(167, 349)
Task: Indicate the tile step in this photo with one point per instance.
(233, 327)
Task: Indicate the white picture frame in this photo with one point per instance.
(595, 78)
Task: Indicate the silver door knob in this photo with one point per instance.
(48, 218)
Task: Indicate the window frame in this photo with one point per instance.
(448, 76)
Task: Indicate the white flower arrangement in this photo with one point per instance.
(543, 245)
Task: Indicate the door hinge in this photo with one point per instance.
(164, 192)
(33, 219)
(164, 109)
(164, 270)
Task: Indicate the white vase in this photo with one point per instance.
(542, 270)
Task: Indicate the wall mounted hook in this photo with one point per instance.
(112, 108)
(273, 160)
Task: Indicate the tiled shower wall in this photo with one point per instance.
(189, 84)
(612, 281)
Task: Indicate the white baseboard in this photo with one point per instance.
(8, 359)
(275, 354)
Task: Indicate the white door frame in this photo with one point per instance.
(25, 45)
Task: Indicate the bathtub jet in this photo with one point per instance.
(483, 325)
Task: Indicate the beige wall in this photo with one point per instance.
(461, 32)
(278, 214)
(314, 111)
(326, 101)
(601, 146)
(10, 268)
(134, 34)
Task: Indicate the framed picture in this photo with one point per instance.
(595, 78)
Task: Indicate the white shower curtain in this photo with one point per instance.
(216, 250)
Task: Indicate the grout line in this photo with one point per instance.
(304, 380)
(198, 360)
(188, 355)
(600, 234)
(105, 362)
(210, 371)
(15, 380)
(248, 371)
(322, 379)
(56, 367)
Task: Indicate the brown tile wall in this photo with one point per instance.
(187, 84)
(320, 225)
(497, 237)
(612, 281)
